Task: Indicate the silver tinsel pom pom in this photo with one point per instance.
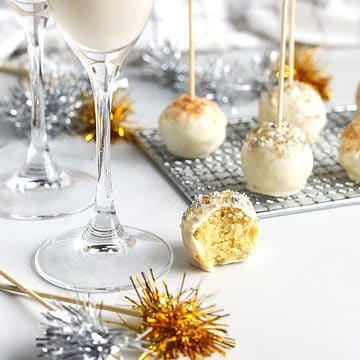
(164, 63)
(264, 68)
(63, 96)
(78, 333)
(228, 83)
(67, 88)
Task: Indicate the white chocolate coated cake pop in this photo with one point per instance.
(303, 107)
(219, 228)
(192, 128)
(276, 161)
(349, 152)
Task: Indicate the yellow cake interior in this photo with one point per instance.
(228, 235)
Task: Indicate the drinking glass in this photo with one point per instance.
(40, 189)
(104, 254)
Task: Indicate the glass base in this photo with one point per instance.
(62, 261)
(35, 199)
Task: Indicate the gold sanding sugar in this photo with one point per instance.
(281, 140)
(194, 107)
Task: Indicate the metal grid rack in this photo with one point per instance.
(329, 186)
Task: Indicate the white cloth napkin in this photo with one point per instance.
(249, 23)
(226, 24)
(318, 22)
(213, 28)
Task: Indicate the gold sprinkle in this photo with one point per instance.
(194, 107)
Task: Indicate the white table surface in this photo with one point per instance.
(296, 298)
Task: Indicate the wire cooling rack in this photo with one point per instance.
(328, 187)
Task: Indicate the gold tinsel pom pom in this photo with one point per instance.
(180, 325)
(122, 127)
(308, 70)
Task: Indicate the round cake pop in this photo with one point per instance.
(193, 128)
(303, 107)
(276, 157)
(219, 228)
(349, 152)
(277, 161)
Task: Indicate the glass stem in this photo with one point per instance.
(39, 164)
(104, 228)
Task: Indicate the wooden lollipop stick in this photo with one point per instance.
(292, 42)
(191, 51)
(14, 70)
(27, 291)
(69, 300)
(284, 13)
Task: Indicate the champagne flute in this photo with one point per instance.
(102, 255)
(40, 189)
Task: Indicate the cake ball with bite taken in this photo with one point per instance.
(192, 128)
(219, 228)
(276, 161)
(303, 107)
(349, 152)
